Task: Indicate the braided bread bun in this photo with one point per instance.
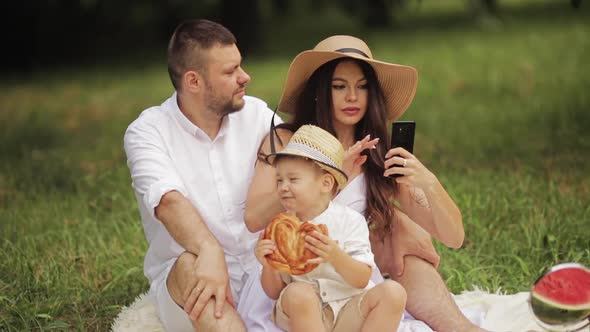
(288, 233)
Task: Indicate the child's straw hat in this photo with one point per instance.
(323, 148)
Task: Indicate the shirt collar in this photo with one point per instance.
(325, 214)
(182, 120)
(190, 127)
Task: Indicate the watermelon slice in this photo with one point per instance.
(562, 295)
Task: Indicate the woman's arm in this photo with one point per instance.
(262, 202)
(423, 198)
(434, 210)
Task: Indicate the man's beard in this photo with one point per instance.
(221, 106)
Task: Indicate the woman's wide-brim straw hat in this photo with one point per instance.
(316, 144)
(398, 82)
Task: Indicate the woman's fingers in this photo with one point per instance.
(365, 143)
(399, 151)
(372, 144)
(396, 160)
(403, 171)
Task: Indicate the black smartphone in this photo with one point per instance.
(402, 135)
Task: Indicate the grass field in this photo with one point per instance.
(503, 113)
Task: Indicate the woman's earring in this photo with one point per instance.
(315, 99)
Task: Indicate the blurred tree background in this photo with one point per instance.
(65, 32)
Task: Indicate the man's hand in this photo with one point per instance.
(406, 239)
(211, 280)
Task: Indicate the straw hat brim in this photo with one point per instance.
(338, 174)
(398, 82)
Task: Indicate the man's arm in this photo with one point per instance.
(161, 190)
(186, 226)
(184, 223)
(263, 202)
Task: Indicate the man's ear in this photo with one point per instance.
(192, 81)
(328, 182)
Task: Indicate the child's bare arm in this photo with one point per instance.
(354, 272)
(270, 279)
(271, 282)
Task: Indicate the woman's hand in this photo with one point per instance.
(264, 247)
(323, 246)
(409, 239)
(400, 161)
(353, 160)
(406, 239)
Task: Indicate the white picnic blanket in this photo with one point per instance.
(492, 311)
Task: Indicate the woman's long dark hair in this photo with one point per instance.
(314, 106)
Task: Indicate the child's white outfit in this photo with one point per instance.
(349, 228)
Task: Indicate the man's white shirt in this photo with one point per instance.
(166, 152)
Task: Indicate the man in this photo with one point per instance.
(191, 161)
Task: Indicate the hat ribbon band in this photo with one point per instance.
(352, 50)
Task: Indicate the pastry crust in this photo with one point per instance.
(288, 233)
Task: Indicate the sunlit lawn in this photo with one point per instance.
(503, 119)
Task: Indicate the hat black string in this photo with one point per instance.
(273, 132)
(352, 50)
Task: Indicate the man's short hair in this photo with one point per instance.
(188, 43)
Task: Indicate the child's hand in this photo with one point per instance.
(323, 246)
(263, 248)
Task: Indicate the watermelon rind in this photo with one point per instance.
(554, 304)
(554, 316)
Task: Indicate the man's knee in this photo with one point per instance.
(179, 278)
(230, 321)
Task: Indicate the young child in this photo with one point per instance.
(337, 295)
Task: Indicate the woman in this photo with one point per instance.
(339, 87)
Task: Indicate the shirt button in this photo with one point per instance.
(324, 294)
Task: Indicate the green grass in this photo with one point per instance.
(502, 113)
